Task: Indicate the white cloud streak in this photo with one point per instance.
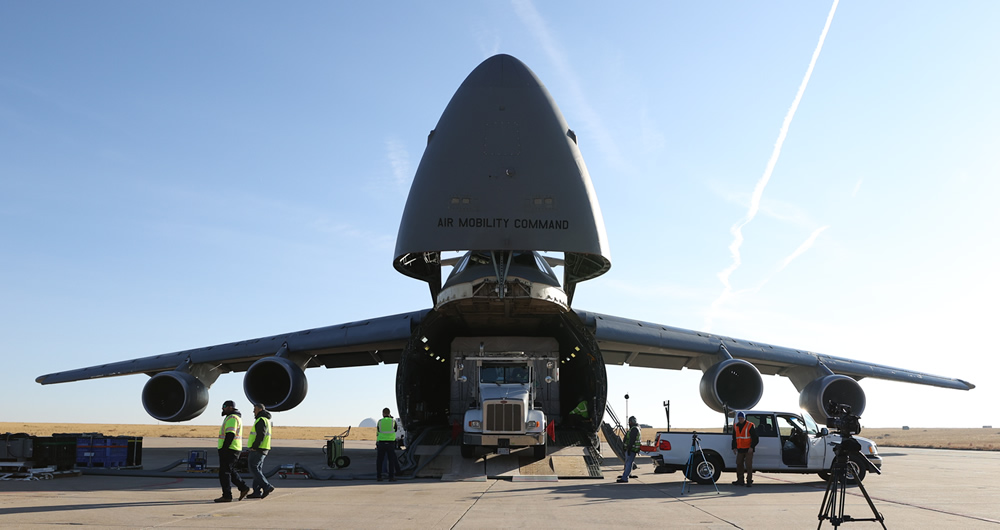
(529, 15)
(758, 192)
(399, 161)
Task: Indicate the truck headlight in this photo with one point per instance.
(532, 424)
(475, 424)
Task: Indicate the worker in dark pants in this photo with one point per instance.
(230, 445)
(744, 441)
(633, 439)
(385, 446)
(260, 444)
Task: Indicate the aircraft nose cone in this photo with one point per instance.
(502, 71)
(501, 171)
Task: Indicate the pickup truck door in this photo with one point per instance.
(767, 455)
(818, 445)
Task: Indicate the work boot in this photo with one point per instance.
(622, 481)
(267, 492)
(224, 499)
(255, 495)
(737, 483)
(243, 493)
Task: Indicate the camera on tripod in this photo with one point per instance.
(841, 419)
(846, 425)
(849, 463)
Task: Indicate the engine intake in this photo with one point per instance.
(732, 383)
(837, 388)
(275, 382)
(174, 396)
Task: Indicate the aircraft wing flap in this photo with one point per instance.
(639, 343)
(351, 344)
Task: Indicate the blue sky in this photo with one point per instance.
(176, 175)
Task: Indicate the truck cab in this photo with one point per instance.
(787, 439)
(504, 397)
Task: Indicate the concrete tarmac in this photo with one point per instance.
(919, 488)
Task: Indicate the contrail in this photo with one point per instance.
(758, 191)
(806, 245)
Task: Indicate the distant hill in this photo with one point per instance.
(368, 422)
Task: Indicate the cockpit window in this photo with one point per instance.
(526, 264)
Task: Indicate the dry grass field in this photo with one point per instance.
(974, 439)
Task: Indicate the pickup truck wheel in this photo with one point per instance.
(856, 471)
(706, 470)
(467, 451)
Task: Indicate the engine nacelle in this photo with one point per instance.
(840, 389)
(174, 396)
(275, 382)
(732, 383)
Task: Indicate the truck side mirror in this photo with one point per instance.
(458, 372)
(553, 371)
(823, 432)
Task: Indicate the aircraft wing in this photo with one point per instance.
(637, 343)
(361, 343)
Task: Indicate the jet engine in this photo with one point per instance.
(731, 383)
(174, 396)
(276, 382)
(840, 389)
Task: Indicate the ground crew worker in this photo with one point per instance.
(260, 444)
(744, 441)
(580, 414)
(230, 445)
(633, 438)
(385, 446)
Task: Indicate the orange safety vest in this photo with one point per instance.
(743, 435)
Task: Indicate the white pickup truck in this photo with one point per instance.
(788, 443)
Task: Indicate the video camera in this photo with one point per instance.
(847, 425)
(841, 419)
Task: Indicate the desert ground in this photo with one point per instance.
(982, 439)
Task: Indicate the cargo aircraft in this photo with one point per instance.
(501, 196)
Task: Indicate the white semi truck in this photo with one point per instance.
(503, 385)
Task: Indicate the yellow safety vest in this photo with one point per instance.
(233, 424)
(581, 410)
(632, 444)
(386, 430)
(265, 437)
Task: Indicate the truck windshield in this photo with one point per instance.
(503, 374)
(811, 426)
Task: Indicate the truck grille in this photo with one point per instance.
(504, 417)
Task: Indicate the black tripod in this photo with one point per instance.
(832, 507)
(694, 465)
